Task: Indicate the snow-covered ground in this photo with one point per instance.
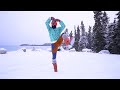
(71, 65)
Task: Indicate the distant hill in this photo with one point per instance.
(45, 44)
(24, 45)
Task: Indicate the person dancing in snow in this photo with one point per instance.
(55, 36)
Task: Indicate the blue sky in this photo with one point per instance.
(17, 27)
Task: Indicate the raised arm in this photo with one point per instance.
(62, 25)
(48, 23)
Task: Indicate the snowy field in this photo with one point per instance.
(71, 65)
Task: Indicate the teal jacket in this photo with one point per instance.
(54, 33)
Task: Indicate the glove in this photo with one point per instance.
(57, 20)
(52, 18)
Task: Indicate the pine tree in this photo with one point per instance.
(77, 38)
(117, 36)
(75, 34)
(78, 33)
(105, 22)
(98, 34)
(86, 41)
(111, 34)
(89, 38)
(82, 29)
(83, 39)
(71, 34)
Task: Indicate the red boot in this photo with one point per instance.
(55, 67)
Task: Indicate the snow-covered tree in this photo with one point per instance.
(77, 38)
(83, 42)
(83, 38)
(82, 28)
(71, 34)
(111, 34)
(116, 38)
(105, 22)
(98, 34)
(89, 37)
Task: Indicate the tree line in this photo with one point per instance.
(102, 36)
